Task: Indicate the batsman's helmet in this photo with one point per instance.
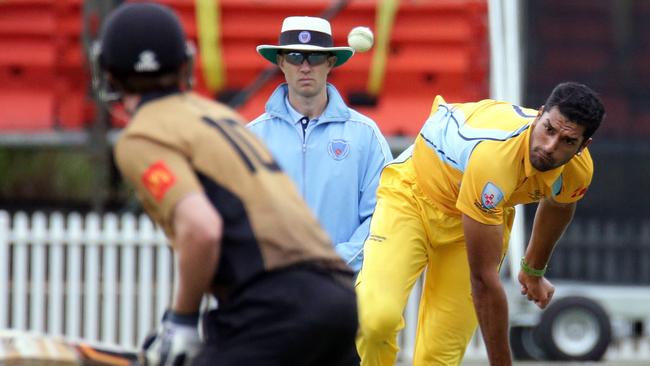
(142, 39)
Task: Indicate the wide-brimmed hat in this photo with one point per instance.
(306, 34)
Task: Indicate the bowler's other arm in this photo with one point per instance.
(484, 250)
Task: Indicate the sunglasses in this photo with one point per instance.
(313, 58)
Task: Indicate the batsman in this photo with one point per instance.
(238, 227)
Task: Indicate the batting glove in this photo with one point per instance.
(176, 343)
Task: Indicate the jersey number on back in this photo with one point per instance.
(238, 137)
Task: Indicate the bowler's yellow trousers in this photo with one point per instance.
(409, 232)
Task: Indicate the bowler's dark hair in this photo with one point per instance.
(579, 104)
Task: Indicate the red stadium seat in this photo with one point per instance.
(436, 47)
(29, 110)
(41, 58)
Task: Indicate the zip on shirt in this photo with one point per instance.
(304, 121)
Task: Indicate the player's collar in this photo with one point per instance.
(148, 97)
(529, 170)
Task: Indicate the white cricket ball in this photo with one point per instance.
(361, 39)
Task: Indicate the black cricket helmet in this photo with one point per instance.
(139, 39)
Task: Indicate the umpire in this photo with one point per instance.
(238, 227)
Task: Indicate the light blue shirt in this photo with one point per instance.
(335, 164)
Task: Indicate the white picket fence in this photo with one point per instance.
(99, 278)
(109, 278)
(104, 279)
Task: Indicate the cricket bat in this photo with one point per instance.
(21, 348)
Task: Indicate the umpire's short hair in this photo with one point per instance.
(579, 103)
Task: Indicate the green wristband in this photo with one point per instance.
(531, 271)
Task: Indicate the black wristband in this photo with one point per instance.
(190, 320)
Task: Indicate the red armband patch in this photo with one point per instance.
(158, 179)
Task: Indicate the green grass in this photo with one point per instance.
(45, 174)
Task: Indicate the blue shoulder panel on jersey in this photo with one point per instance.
(557, 186)
(453, 141)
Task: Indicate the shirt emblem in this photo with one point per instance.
(338, 149)
(491, 196)
(158, 179)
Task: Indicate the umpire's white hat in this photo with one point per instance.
(306, 34)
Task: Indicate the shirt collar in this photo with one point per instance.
(293, 113)
(148, 97)
(295, 117)
(335, 111)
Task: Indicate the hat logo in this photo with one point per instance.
(147, 62)
(304, 37)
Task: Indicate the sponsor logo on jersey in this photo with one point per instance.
(338, 149)
(536, 195)
(158, 179)
(490, 211)
(579, 192)
(377, 238)
(491, 196)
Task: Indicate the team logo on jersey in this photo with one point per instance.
(147, 62)
(338, 149)
(158, 179)
(491, 196)
(304, 37)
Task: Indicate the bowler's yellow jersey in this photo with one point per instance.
(474, 158)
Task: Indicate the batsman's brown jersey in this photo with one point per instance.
(183, 143)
